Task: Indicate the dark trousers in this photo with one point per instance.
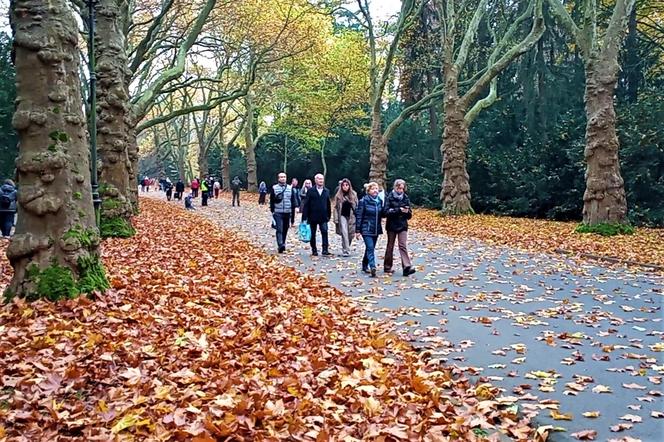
(236, 197)
(169, 194)
(282, 220)
(204, 197)
(194, 193)
(323, 234)
(6, 222)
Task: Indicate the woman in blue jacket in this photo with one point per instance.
(368, 225)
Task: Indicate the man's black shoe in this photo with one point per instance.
(314, 253)
(373, 272)
(326, 253)
(282, 249)
(409, 271)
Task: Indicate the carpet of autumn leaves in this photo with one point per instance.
(646, 246)
(204, 337)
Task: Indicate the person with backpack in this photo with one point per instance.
(397, 211)
(368, 225)
(8, 196)
(179, 189)
(235, 188)
(282, 200)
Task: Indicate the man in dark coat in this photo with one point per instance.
(179, 189)
(317, 211)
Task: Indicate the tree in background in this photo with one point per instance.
(604, 200)
(55, 250)
(461, 109)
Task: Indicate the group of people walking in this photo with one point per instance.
(353, 217)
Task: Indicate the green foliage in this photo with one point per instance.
(78, 195)
(8, 137)
(116, 228)
(92, 275)
(55, 282)
(87, 238)
(605, 229)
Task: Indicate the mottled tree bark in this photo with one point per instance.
(225, 160)
(113, 118)
(132, 164)
(378, 154)
(250, 146)
(455, 194)
(604, 199)
(55, 250)
(203, 164)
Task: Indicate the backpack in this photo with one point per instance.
(5, 201)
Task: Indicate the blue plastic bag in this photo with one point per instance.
(304, 232)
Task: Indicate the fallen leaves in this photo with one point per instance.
(204, 337)
(644, 246)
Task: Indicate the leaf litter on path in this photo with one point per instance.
(205, 337)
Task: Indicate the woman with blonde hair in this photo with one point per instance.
(397, 211)
(368, 225)
(343, 215)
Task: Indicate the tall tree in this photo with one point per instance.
(55, 250)
(604, 200)
(113, 117)
(460, 110)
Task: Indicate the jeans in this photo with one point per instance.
(402, 238)
(282, 220)
(369, 259)
(323, 234)
(236, 197)
(6, 222)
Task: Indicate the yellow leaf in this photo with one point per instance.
(561, 416)
(591, 414)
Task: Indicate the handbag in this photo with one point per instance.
(304, 232)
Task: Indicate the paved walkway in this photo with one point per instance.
(567, 339)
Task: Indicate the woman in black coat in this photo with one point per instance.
(397, 211)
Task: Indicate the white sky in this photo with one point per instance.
(382, 9)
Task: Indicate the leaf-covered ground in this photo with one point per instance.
(204, 337)
(578, 342)
(646, 246)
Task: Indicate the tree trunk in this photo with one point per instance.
(113, 111)
(132, 165)
(225, 160)
(55, 250)
(203, 165)
(322, 156)
(433, 120)
(378, 155)
(252, 178)
(455, 194)
(604, 200)
(633, 67)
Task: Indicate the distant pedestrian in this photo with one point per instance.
(262, 193)
(397, 211)
(168, 188)
(368, 226)
(145, 184)
(204, 193)
(189, 202)
(317, 211)
(179, 189)
(194, 187)
(235, 188)
(217, 188)
(303, 192)
(298, 201)
(8, 196)
(343, 214)
(282, 200)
